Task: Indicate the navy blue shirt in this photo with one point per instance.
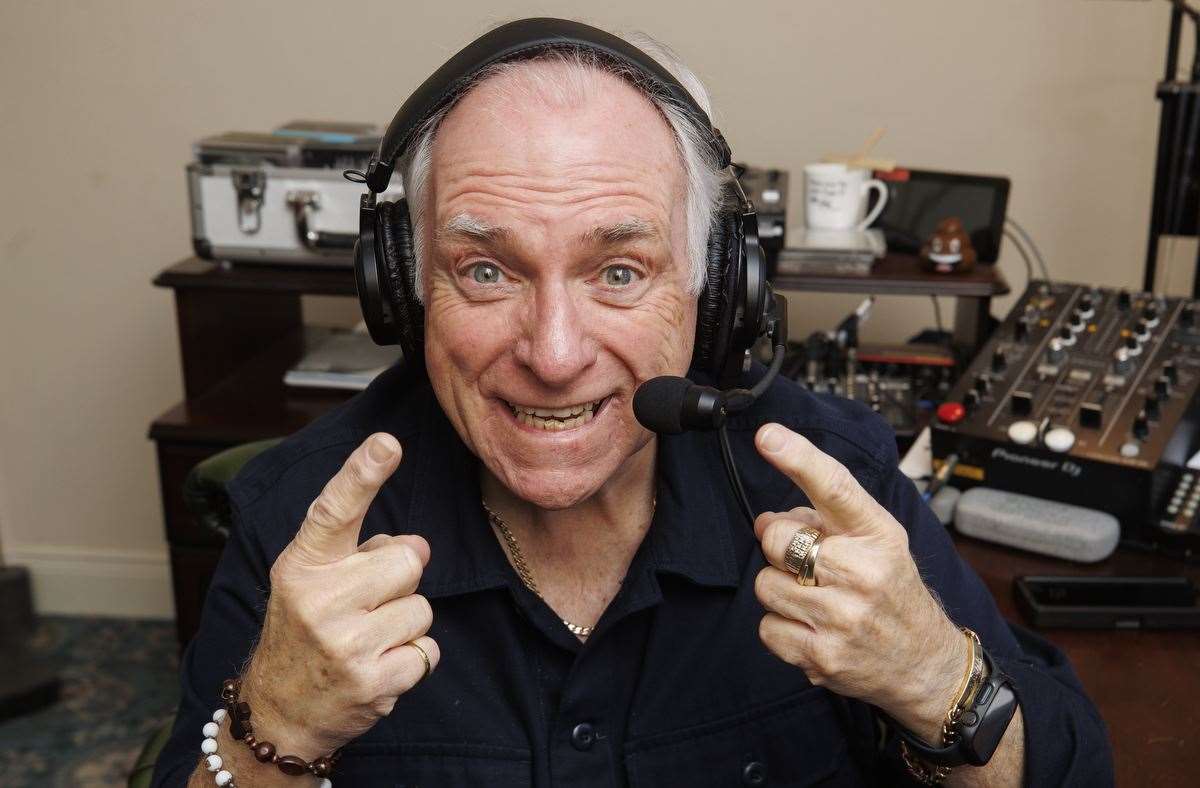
(674, 686)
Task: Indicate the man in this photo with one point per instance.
(493, 575)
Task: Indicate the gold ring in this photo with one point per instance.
(424, 656)
(808, 576)
(797, 550)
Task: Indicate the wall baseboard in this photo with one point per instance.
(96, 581)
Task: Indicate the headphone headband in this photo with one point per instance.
(523, 38)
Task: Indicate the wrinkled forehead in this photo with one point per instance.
(560, 127)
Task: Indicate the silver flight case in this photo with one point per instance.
(280, 197)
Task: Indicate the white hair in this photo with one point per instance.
(571, 83)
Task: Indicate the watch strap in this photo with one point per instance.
(979, 728)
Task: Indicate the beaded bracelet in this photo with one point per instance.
(264, 751)
(213, 762)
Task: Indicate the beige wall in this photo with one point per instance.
(99, 102)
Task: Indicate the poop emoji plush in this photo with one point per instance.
(949, 251)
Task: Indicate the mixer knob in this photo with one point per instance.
(1122, 363)
(1087, 306)
(999, 362)
(1124, 300)
(1022, 433)
(1162, 387)
(1170, 371)
(1059, 439)
(951, 412)
(1151, 409)
(1150, 315)
(1141, 426)
(1141, 331)
(1056, 352)
(1077, 322)
(981, 384)
(971, 399)
(1021, 330)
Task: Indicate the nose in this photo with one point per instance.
(555, 344)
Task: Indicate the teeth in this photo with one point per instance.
(555, 419)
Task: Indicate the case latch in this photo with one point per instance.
(249, 185)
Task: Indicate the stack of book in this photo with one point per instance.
(341, 359)
(843, 252)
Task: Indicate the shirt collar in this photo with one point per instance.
(691, 536)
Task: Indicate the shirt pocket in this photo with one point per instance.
(794, 741)
(430, 765)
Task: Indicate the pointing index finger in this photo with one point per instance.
(331, 527)
(833, 490)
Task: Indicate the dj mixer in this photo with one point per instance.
(1086, 395)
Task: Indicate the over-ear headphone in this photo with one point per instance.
(735, 307)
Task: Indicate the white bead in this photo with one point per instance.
(208, 746)
(214, 762)
(326, 783)
(218, 716)
(224, 778)
(211, 729)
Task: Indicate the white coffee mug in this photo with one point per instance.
(835, 197)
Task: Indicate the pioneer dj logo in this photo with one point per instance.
(1062, 466)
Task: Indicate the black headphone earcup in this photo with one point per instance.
(399, 285)
(717, 307)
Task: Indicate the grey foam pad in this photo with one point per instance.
(1047, 527)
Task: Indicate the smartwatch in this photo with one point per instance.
(980, 726)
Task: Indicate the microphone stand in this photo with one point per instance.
(1175, 203)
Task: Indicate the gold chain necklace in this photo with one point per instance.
(523, 569)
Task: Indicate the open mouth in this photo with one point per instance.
(557, 419)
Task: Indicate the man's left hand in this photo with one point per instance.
(870, 629)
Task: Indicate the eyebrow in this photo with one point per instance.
(465, 227)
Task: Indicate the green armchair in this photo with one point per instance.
(206, 499)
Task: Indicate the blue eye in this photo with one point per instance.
(485, 273)
(618, 276)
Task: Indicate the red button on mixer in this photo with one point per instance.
(951, 412)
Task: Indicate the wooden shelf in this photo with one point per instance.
(901, 274)
(253, 403)
(211, 275)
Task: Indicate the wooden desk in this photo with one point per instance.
(1145, 683)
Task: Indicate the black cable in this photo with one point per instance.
(1037, 253)
(772, 371)
(1024, 255)
(735, 481)
(937, 315)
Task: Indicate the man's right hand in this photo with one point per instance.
(335, 650)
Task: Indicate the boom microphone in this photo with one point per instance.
(670, 405)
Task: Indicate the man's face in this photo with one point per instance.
(556, 281)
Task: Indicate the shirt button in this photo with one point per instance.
(582, 736)
(755, 773)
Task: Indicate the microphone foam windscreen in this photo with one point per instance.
(658, 404)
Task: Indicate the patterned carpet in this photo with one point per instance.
(119, 680)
